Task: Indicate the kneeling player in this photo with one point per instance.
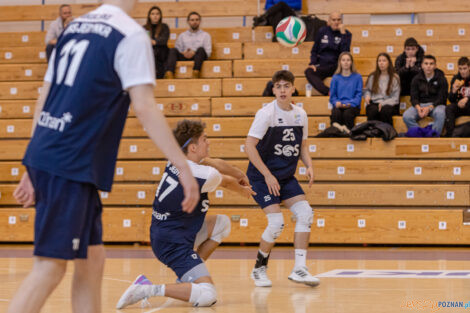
(275, 142)
(175, 234)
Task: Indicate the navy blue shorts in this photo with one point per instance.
(289, 188)
(180, 257)
(68, 216)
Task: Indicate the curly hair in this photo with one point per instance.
(186, 130)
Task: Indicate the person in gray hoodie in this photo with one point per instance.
(428, 95)
(382, 91)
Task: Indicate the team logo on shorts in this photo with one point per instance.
(267, 198)
(75, 244)
(194, 256)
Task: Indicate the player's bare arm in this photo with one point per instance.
(232, 184)
(227, 169)
(307, 160)
(255, 159)
(24, 192)
(157, 128)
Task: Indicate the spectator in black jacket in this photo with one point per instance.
(458, 95)
(428, 96)
(408, 64)
(159, 33)
(330, 42)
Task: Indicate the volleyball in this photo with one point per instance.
(291, 31)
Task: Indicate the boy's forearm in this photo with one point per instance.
(224, 167)
(306, 159)
(230, 183)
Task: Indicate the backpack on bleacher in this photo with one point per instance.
(313, 24)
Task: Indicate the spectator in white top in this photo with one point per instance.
(57, 27)
(194, 44)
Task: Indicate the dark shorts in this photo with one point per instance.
(289, 188)
(68, 216)
(180, 257)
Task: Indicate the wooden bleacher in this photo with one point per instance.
(386, 7)
(400, 192)
(171, 9)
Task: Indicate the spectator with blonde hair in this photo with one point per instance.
(345, 93)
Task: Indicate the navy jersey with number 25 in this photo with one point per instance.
(97, 58)
(169, 222)
(280, 135)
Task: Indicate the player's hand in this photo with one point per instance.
(310, 176)
(342, 29)
(273, 185)
(313, 67)
(463, 102)
(247, 192)
(244, 181)
(190, 188)
(380, 106)
(338, 104)
(24, 192)
(367, 100)
(153, 42)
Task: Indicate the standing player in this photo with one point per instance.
(275, 142)
(102, 61)
(174, 234)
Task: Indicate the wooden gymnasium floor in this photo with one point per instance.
(442, 274)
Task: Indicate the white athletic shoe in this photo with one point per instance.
(260, 277)
(136, 292)
(302, 276)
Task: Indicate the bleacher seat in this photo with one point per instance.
(407, 190)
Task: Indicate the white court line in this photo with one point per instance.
(4, 300)
(164, 305)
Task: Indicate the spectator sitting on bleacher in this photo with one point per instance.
(56, 28)
(408, 64)
(458, 95)
(346, 93)
(159, 33)
(428, 96)
(194, 44)
(382, 91)
(330, 42)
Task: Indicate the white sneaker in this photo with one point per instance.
(136, 292)
(260, 277)
(302, 276)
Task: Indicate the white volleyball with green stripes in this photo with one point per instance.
(291, 31)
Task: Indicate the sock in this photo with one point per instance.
(157, 290)
(261, 259)
(300, 257)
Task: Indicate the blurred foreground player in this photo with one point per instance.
(183, 240)
(102, 61)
